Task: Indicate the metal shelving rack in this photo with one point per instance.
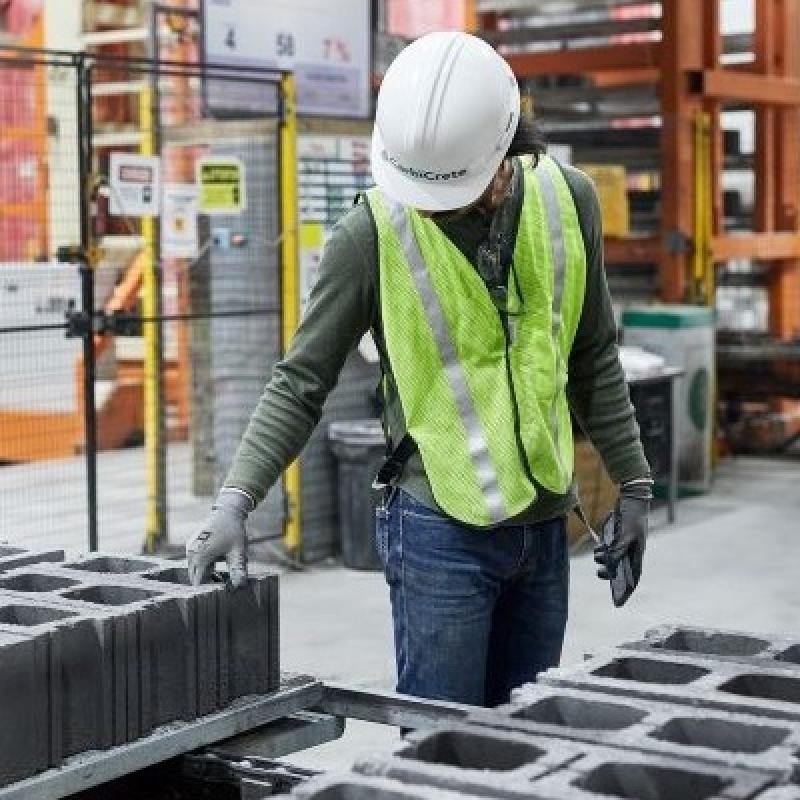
(646, 85)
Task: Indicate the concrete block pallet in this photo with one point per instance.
(762, 649)
(127, 646)
(633, 723)
(622, 774)
(474, 760)
(690, 714)
(726, 686)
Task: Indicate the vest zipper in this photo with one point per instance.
(513, 390)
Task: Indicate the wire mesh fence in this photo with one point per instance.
(42, 478)
(214, 318)
(186, 321)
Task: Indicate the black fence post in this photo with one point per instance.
(84, 102)
(89, 403)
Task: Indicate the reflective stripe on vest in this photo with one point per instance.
(447, 349)
(550, 199)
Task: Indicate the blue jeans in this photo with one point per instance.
(476, 613)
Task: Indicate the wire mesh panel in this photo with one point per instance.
(42, 470)
(203, 283)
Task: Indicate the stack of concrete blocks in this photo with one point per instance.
(101, 651)
(684, 713)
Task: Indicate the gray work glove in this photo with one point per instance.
(630, 529)
(222, 537)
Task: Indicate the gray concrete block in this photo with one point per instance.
(248, 635)
(12, 557)
(116, 627)
(236, 633)
(164, 626)
(619, 774)
(351, 786)
(472, 759)
(249, 650)
(633, 723)
(24, 707)
(722, 645)
(207, 600)
(164, 621)
(78, 648)
(726, 686)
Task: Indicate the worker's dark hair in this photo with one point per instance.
(528, 139)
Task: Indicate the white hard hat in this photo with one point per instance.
(447, 111)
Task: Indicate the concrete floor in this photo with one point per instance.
(732, 561)
(43, 504)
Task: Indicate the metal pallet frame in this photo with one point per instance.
(303, 713)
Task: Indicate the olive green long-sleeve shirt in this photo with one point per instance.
(344, 304)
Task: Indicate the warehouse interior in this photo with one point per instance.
(170, 174)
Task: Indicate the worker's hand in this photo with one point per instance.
(222, 536)
(630, 530)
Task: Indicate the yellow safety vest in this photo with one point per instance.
(487, 409)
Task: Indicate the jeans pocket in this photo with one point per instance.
(554, 551)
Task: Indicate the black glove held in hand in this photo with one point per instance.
(630, 530)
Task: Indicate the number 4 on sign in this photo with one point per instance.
(230, 37)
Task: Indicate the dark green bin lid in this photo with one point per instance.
(668, 316)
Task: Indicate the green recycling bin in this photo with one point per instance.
(684, 336)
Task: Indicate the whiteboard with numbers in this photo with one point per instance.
(325, 43)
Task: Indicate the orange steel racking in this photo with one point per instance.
(691, 80)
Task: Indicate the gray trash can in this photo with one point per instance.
(360, 449)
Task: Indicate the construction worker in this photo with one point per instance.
(477, 264)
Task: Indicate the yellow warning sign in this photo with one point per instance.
(221, 184)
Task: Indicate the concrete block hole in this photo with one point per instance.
(171, 575)
(765, 687)
(643, 670)
(721, 734)
(716, 644)
(645, 782)
(28, 616)
(584, 714)
(474, 751)
(33, 582)
(791, 654)
(355, 791)
(111, 564)
(110, 595)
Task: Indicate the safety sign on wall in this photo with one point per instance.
(134, 182)
(179, 237)
(221, 185)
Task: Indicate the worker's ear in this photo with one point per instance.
(500, 184)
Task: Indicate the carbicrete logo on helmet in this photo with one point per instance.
(426, 175)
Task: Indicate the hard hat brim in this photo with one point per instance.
(432, 196)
